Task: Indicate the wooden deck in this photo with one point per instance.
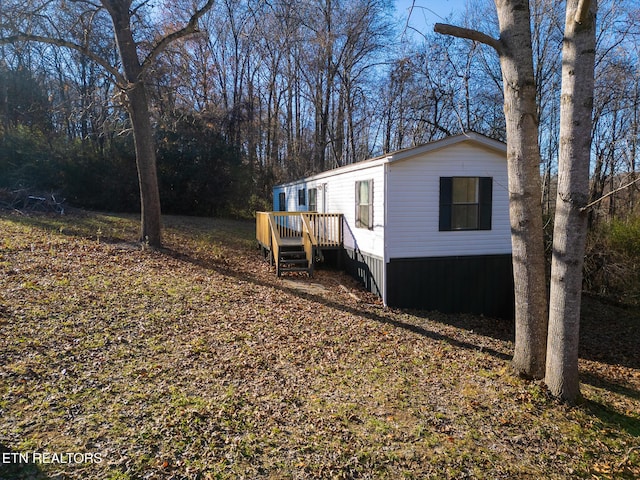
(290, 237)
(291, 241)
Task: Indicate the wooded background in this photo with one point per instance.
(271, 91)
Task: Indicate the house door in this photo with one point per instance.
(322, 191)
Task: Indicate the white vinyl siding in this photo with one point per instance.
(364, 204)
(337, 194)
(406, 208)
(413, 206)
(341, 198)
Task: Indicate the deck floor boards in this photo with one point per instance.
(290, 241)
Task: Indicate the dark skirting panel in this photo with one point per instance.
(369, 270)
(473, 284)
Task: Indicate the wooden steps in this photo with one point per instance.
(293, 259)
(294, 240)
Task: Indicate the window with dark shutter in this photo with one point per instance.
(465, 203)
(445, 203)
(485, 195)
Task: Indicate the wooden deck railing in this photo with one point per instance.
(326, 227)
(310, 230)
(309, 242)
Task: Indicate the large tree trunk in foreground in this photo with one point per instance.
(570, 229)
(523, 165)
(525, 210)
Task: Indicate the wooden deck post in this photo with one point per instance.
(309, 230)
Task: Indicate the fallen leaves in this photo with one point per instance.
(197, 362)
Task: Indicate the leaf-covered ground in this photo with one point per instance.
(197, 362)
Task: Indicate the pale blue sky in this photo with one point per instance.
(427, 12)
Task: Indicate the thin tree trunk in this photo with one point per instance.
(150, 213)
(570, 230)
(138, 107)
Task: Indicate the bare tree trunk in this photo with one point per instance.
(138, 107)
(150, 214)
(525, 210)
(523, 165)
(570, 231)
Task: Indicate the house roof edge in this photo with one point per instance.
(407, 153)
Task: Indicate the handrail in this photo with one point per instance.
(263, 233)
(308, 230)
(314, 231)
(309, 242)
(327, 228)
(275, 242)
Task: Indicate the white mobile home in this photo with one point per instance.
(425, 227)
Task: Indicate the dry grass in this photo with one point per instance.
(197, 362)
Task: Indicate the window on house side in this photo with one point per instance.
(465, 203)
(313, 199)
(282, 202)
(364, 204)
(302, 197)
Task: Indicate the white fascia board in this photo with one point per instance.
(406, 154)
(354, 167)
(447, 142)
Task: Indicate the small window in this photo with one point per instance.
(364, 204)
(302, 200)
(465, 203)
(282, 202)
(313, 199)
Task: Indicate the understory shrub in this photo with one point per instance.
(612, 261)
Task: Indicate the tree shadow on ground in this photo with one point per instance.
(610, 333)
(361, 312)
(599, 381)
(612, 418)
(610, 339)
(496, 328)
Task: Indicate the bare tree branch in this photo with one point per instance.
(25, 37)
(582, 11)
(468, 34)
(86, 2)
(134, 11)
(190, 28)
(612, 192)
